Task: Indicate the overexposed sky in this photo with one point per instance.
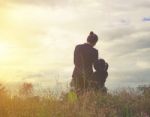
(37, 38)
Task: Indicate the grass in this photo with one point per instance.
(126, 103)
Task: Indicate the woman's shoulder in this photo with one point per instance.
(79, 45)
(95, 50)
(87, 47)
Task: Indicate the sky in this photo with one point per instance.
(38, 37)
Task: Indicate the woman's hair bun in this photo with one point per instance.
(91, 33)
(92, 38)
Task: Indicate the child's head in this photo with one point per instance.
(99, 65)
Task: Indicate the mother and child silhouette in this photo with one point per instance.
(85, 58)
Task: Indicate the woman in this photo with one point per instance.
(84, 57)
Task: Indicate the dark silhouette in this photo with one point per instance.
(99, 76)
(84, 57)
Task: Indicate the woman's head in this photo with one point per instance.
(92, 38)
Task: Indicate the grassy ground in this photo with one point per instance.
(90, 104)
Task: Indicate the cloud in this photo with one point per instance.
(144, 4)
(48, 30)
(143, 64)
(51, 3)
(128, 79)
(35, 2)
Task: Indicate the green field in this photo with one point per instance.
(125, 103)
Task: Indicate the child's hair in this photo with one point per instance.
(100, 65)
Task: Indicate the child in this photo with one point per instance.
(99, 76)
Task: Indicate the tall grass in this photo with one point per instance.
(90, 104)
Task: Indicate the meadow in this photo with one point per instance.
(124, 103)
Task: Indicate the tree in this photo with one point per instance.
(26, 90)
(3, 91)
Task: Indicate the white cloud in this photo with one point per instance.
(57, 26)
(143, 64)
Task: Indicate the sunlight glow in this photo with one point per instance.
(4, 51)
